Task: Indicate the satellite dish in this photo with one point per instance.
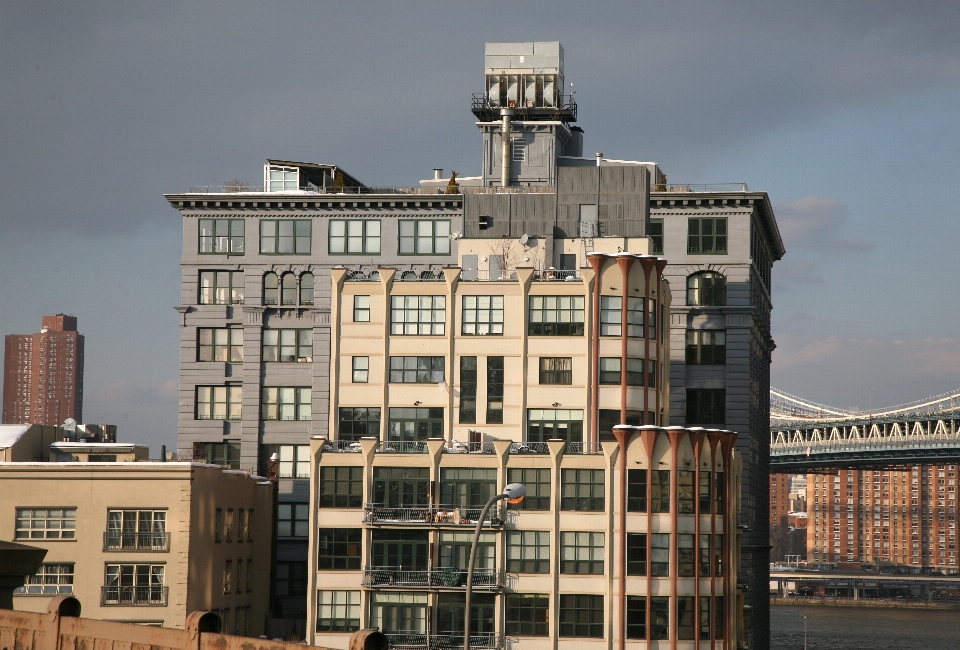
(524, 239)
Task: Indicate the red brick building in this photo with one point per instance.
(43, 374)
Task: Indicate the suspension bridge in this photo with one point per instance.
(809, 437)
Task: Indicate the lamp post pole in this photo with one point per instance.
(804, 633)
(514, 492)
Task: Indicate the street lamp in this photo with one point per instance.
(804, 633)
(514, 493)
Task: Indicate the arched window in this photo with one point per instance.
(288, 294)
(270, 289)
(707, 289)
(306, 289)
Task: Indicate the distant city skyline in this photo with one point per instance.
(846, 117)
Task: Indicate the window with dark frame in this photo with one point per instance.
(271, 288)
(651, 373)
(636, 554)
(611, 315)
(581, 615)
(220, 344)
(482, 315)
(556, 370)
(418, 315)
(705, 556)
(286, 403)
(685, 495)
(706, 406)
(339, 549)
(401, 487)
(704, 618)
(424, 237)
(226, 454)
(221, 288)
(582, 490)
(707, 236)
(358, 422)
(686, 555)
(659, 555)
(527, 614)
(528, 551)
(361, 309)
(635, 310)
(292, 519)
(610, 370)
(287, 346)
(706, 347)
(285, 236)
(550, 424)
(291, 579)
(416, 370)
(414, 424)
(354, 237)
(341, 487)
(338, 611)
(219, 402)
(361, 370)
(719, 498)
(468, 390)
(660, 618)
(466, 487)
(660, 494)
(652, 319)
(634, 372)
(581, 553)
(556, 316)
(718, 556)
(636, 617)
(686, 618)
(636, 490)
(656, 236)
(705, 492)
(495, 390)
(706, 289)
(537, 482)
(221, 236)
(718, 622)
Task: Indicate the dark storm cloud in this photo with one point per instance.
(107, 105)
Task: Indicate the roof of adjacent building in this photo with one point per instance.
(11, 433)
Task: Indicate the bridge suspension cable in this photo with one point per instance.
(786, 407)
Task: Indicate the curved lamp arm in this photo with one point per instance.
(514, 492)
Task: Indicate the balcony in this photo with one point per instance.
(441, 641)
(529, 448)
(403, 446)
(446, 578)
(154, 595)
(377, 515)
(129, 541)
(557, 275)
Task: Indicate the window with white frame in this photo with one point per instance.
(285, 236)
(282, 179)
(288, 346)
(338, 611)
(221, 236)
(46, 523)
(221, 288)
(50, 579)
(285, 403)
(424, 315)
(482, 315)
(611, 315)
(354, 237)
(424, 237)
(218, 402)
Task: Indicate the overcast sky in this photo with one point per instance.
(848, 114)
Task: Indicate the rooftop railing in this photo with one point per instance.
(487, 275)
(342, 446)
(559, 107)
(584, 447)
(380, 515)
(702, 187)
(134, 541)
(529, 448)
(155, 595)
(355, 191)
(441, 641)
(457, 447)
(557, 274)
(403, 446)
(444, 578)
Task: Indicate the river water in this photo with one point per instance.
(863, 628)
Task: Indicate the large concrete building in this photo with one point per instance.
(43, 374)
(255, 307)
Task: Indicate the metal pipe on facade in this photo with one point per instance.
(506, 114)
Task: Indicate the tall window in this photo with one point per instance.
(412, 424)
(482, 315)
(423, 315)
(341, 487)
(136, 529)
(527, 614)
(401, 487)
(338, 611)
(634, 372)
(706, 406)
(656, 236)
(581, 490)
(705, 557)
(339, 549)
(221, 287)
(306, 289)
(719, 493)
(424, 237)
(494, 390)
(660, 494)
(226, 454)
(354, 237)
(220, 344)
(706, 289)
(556, 316)
(610, 370)
(705, 492)
(651, 374)
(134, 584)
(406, 550)
(291, 579)
(636, 490)
(636, 617)
(361, 370)
(581, 615)
(285, 236)
(581, 552)
(288, 289)
(528, 551)
(271, 288)
(221, 236)
(537, 481)
(686, 555)
(611, 315)
(660, 618)
(556, 370)
(46, 523)
(652, 318)
(660, 555)
(707, 235)
(285, 403)
(416, 370)
(636, 554)
(219, 402)
(468, 390)
(467, 487)
(50, 579)
(293, 519)
(455, 549)
(550, 424)
(358, 422)
(706, 347)
(686, 618)
(361, 309)
(685, 494)
(635, 311)
(288, 346)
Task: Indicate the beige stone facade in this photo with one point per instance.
(143, 542)
(441, 395)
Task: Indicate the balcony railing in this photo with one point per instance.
(584, 447)
(315, 192)
(488, 275)
(129, 541)
(446, 578)
(529, 448)
(440, 641)
(379, 515)
(458, 447)
(557, 274)
(342, 446)
(403, 446)
(154, 595)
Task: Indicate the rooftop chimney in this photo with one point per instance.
(437, 173)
